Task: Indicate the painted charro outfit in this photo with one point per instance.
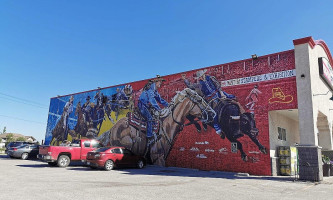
(148, 101)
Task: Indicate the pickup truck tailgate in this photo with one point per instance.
(43, 150)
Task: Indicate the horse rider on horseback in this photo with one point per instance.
(148, 102)
(209, 88)
(87, 111)
(68, 109)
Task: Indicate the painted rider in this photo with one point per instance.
(119, 99)
(252, 98)
(87, 111)
(210, 89)
(68, 109)
(148, 102)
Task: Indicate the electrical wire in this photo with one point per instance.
(22, 119)
(23, 101)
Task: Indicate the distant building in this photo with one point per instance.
(3, 138)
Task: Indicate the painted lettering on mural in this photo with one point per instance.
(259, 78)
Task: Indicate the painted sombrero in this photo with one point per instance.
(279, 97)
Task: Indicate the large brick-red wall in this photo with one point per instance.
(206, 150)
(215, 152)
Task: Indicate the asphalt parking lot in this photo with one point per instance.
(32, 179)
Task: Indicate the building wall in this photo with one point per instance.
(292, 131)
(313, 93)
(260, 85)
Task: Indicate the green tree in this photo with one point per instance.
(10, 138)
(3, 131)
(20, 139)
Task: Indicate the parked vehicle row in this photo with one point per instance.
(92, 153)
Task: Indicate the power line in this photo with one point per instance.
(21, 119)
(23, 101)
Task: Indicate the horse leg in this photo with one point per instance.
(259, 145)
(204, 126)
(157, 154)
(239, 147)
(196, 124)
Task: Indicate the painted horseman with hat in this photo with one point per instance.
(87, 111)
(210, 89)
(148, 102)
(68, 109)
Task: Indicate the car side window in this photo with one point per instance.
(86, 144)
(96, 144)
(116, 151)
(127, 152)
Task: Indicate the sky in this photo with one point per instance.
(50, 48)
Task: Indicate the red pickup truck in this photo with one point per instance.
(62, 155)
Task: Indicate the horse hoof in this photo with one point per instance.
(244, 158)
(263, 150)
(222, 135)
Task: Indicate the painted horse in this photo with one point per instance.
(184, 103)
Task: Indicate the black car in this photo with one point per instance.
(15, 144)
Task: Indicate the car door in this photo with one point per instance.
(117, 156)
(129, 158)
(86, 147)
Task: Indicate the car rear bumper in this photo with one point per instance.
(46, 158)
(14, 154)
(95, 163)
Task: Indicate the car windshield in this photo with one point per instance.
(102, 149)
(15, 144)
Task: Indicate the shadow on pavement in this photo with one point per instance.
(165, 171)
(182, 172)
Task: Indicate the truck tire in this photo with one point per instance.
(109, 165)
(63, 161)
(24, 156)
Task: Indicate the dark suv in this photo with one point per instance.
(15, 144)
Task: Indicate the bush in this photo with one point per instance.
(326, 159)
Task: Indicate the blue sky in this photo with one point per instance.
(50, 48)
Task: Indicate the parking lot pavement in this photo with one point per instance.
(31, 179)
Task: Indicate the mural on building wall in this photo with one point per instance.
(212, 119)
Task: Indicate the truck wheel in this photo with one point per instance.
(52, 164)
(109, 164)
(140, 164)
(63, 161)
(24, 156)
